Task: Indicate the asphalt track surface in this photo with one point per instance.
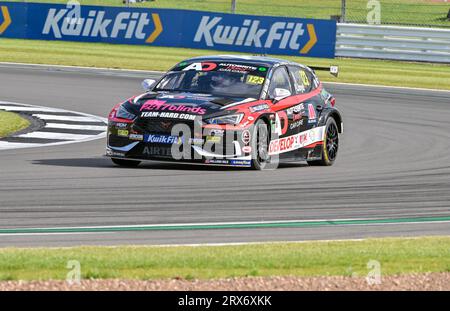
(393, 169)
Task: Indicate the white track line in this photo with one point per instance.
(66, 118)
(158, 225)
(67, 138)
(81, 68)
(53, 135)
(76, 127)
(7, 145)
(25, 109)
(190, 224)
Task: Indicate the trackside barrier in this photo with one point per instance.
(392, 42)
(170, 28)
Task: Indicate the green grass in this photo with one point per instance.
(418, 12)
(396, 256)
(394, 73)
(11, 122)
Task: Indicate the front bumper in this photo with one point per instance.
(213, 146)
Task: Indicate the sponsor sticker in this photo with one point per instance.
(312, 113)
(247, 149)
(296, 109)
(235, 67)
(204, 66)
(213, 139)
(196, 141)
(136, 137)
(113, 153)
(296, 124)
(241, 162)
(217, 132)
(296, 141)
(123, 133)
(161, 105)
(162, 139)
(297, 117)
(258, 107)
(157, 151)
(246, 136)
(216, 161)
(121, 125)
(167, 115)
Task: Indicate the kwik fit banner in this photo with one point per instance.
(168, 27)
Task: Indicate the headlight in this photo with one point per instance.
(229, 119)
(123, 113)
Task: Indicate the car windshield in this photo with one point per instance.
(220, 79)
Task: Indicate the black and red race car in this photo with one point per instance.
(228, 110)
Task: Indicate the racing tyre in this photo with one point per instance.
(125, 163)
(260, 145)
(330, 145)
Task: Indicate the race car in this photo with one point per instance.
(228, 110)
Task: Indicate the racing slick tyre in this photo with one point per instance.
(260, 145)
(125, 163)
(330, 145)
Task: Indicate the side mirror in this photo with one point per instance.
(148, 84)
(280, 93)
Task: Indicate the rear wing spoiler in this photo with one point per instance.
(334, 70)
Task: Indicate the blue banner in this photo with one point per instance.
(168, 27)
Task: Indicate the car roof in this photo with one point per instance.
(254, 60)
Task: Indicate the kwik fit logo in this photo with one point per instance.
(93, 23)
(282, 35)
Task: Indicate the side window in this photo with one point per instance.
(171, 81)
(314, 80)
(303, 81)
(280, 79)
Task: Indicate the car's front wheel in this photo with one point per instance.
(260, 145)
(330, 145)
(125, 163)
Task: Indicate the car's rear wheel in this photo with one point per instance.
(125, 163)
(330, 145)
(260, 145)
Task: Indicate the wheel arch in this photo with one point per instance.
(268, 120)
(333, 113)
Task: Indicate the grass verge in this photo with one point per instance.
(11, 122)
(380, 72)
(395, 255)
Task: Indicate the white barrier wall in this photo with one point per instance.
(393, 42)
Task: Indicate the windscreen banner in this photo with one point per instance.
(169, 28)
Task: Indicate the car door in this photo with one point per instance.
(306, 94)
(286, 109)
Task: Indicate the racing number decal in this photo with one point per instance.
(255, 80)
(304, 78)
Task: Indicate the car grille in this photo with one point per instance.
(117, 141)
(160, 125)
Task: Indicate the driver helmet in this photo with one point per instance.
(224, 79)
